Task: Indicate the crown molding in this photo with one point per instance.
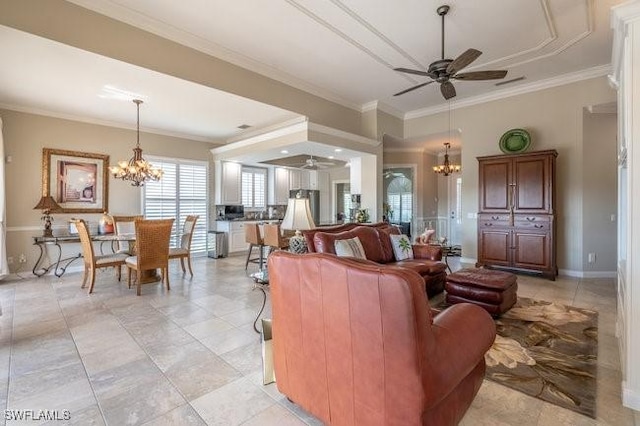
(287, 128)
(381, 106)
(344, 135)
(99, 122)
(620, 16)
(185, 38)
(561, 80)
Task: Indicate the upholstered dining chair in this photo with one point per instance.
(184, 251)
(93, 261)
(125, 225)
(152, 250)
(273, 237)
(254, 238)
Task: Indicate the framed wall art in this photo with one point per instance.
(77, 181)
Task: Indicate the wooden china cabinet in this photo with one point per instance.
(516, 217)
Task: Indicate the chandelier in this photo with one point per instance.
(137, 170)
(447, 168)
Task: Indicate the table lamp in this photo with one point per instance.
(46, 204)
(298, 217)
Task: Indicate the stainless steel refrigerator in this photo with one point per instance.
(314, 201)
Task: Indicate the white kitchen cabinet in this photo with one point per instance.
(228, 183)
(235, 234)
(299, 179)
(324, 186)
(278, 185)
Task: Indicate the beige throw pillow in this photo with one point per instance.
(401, 247)
(350, 248)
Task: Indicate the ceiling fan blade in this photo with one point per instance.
(409, 71)
(447, 89)
(481, 75)
(463, 60)
(413, 88)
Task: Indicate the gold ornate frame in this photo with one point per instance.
(54, 181)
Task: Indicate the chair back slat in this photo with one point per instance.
(187, 231)
(273, 236)
(152, 241)
(85, 241)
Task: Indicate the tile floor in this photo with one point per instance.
(191, 357)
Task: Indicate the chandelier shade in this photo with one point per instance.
(446, 168)
(137, 170)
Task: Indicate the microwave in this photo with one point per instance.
(233, 212)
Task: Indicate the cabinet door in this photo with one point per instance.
(294, 179)
(281, 187)
(494, 246)
(494, 185)
(231, 183)
(532, 248)
(305, 179)
(532, 176)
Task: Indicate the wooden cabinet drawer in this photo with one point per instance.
(532, 218)
(542, 226)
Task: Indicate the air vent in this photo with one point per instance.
(243, 126)
(513, 80)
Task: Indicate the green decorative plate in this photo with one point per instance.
(515, 141)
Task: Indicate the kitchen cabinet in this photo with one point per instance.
(228, 183)
(299, 179)
(235, 231)
(516, 218)
(278, 185)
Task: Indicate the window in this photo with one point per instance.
(254, 188)
(182, 191)
(400, 199)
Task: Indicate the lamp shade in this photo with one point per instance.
(298, 215)
(46, 203)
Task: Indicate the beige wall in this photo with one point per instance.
(73, 25)
(600, 191)
(554, 118)
(24, 137)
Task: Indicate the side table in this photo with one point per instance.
(260, 282)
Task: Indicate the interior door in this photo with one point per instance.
(455, 210)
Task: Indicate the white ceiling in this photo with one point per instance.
(343, 50)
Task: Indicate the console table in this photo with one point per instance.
(60, 266)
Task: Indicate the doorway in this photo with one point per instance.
(455, 210)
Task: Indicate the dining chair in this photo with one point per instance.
(125, 225)
(253, 237)
(273, 237)
(152, 250)
(184, 251)
(93, 261)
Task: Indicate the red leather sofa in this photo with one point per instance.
(377, 247)
(356, 344)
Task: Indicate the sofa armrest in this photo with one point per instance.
(426, 251)
(463, 333)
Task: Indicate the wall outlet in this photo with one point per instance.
(591, 258)
(10, 260)
(23, 258)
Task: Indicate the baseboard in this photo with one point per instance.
(630, 397)
(587, 274)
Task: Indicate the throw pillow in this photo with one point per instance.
(351, 247)
(401, 247)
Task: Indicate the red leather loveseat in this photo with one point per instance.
(355, 344)
(377, 246)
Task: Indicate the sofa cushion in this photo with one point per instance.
(324, 242)
(423, 267)
(351, 247)
(401, 247)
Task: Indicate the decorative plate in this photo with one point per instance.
(515, 141)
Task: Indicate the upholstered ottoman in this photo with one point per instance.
(495, 291)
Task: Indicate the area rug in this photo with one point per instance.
(547, 350)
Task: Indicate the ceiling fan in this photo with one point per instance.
(313, 164)
(443, 70)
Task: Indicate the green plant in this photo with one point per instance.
(404, 245)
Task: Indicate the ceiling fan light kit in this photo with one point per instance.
(313, 164)
(443, 70)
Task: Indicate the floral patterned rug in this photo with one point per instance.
(548, 351)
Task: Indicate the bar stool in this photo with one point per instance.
(253, 237)
(273, 238)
